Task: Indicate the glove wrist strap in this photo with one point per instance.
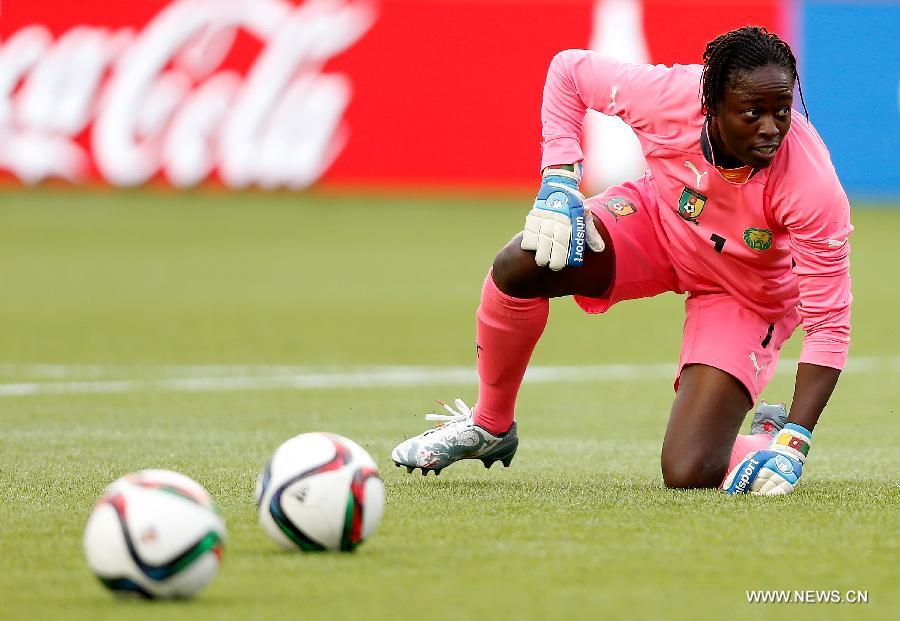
(565, 171)
(794, 440)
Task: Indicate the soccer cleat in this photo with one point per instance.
(769, 418)
(457, 437)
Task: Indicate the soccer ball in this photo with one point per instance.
(320, 491)
(154, 533)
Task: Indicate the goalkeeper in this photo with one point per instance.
(740, 208)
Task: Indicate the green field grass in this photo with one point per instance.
(131, 319)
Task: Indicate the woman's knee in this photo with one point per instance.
(705, 419)
(693, 470)
(515, 272)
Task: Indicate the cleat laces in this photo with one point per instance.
(463, 414)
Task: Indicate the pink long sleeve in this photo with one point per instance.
(579, 80)
(812, 206)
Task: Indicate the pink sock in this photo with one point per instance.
(747, 444)
(508, 328)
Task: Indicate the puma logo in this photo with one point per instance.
(756, 363)
(612, 97)
(699, 174)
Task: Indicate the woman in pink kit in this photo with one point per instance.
(740, 208)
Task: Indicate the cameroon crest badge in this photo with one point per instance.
(691, 204)
(620, 207)
(758, 239)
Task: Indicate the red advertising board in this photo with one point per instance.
(280, 93)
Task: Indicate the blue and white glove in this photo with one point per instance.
(774, 470)
(559, 229)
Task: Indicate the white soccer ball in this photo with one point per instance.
(320, 491)
(154, 533)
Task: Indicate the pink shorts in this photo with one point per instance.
(718, 331)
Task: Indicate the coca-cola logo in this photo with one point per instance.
(162, 99)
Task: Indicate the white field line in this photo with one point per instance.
(210, 378)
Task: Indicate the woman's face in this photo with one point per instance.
(754, 115)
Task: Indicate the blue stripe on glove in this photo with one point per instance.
(748, 470)
(555, 196)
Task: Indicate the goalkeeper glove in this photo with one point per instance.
(558, 228)
(774, 470)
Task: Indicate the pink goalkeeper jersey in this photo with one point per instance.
(740, 238)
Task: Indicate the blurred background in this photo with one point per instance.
(389, 93)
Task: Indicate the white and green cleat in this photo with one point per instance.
(769, 418)
(456, 438)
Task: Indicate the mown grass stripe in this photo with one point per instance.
(384, 377)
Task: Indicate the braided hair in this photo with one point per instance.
(743, 49)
